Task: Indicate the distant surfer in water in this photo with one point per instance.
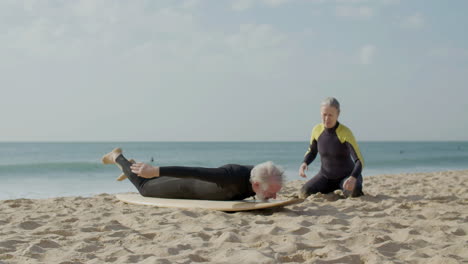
(340, 156)
(228, 182)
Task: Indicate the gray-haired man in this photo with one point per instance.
(228, 182)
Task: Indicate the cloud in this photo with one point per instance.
(77, 29)
(351, 1)
(102, 51)
(146, 35)
(242, 5)
(361, 12)
(347, 2)
(390, 2)
(190, 3)
(275, 3)
(254, 37)
(366, 54)
(414, 22)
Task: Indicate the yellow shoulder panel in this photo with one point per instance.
(316, 132)
(345, 135)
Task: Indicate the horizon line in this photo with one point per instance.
(212, 141)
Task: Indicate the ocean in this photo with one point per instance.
(44, 170)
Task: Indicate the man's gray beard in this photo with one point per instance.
(260, 197)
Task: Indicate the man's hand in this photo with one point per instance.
(144, 170)
(302, 170)
(349, 184)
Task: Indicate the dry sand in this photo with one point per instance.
(405, 218)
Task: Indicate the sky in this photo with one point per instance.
(241, 70)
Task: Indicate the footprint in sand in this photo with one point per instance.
(45, 243)
(274, 230)
(176, 250)
(300, 231)
(33, 251)
(389, 248)
(139, 258)
(29, 225)
(262, 222)
(228, 237)
(87, 248)
(197, 258)
(64, 233)
(114, 226)
(459, 232)
(9, 245)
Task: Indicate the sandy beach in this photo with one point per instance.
(403, 218)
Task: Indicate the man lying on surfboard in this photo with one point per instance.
(228, 182)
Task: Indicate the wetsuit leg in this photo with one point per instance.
(178, 188)
(357, 189)
(125, 166)
(171, 187)
(319, 183)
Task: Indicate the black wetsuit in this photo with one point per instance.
(340, 157)
(229, 182)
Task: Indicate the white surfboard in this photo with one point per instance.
(232, 206)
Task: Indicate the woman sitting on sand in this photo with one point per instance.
(341, 159)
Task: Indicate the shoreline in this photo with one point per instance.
(299, 179)
(403, 218)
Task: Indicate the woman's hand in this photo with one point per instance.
(302, 170)
(144, 170)
(349, 184)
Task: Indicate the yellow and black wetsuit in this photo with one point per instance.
(228, 182)
(340, 157)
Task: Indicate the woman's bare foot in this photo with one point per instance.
(110, 157)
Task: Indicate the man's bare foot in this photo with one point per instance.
(123, 176)
(110, 157)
